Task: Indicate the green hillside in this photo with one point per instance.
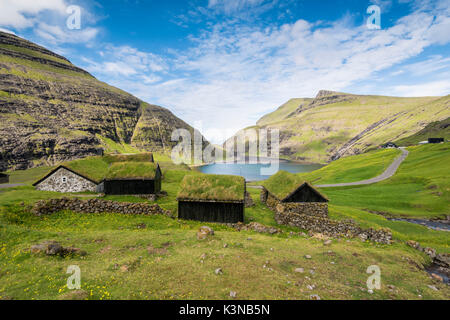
(336, 125)
(438, 129)
(283, 112)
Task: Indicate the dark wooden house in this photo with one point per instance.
(4, 178)
(132, 178)
(436, 140)
(212, 198)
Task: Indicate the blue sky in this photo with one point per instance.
(222, 64)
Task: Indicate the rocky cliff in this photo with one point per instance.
(334, 124)
(53, 111)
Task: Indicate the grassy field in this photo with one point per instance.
(165, 260)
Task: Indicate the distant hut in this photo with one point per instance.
(132, 178)
(4, 178)
(389, 145)
(287, 192)
(65, 180)
(436, 140)
(212, 198)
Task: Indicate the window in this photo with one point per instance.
(64, 179)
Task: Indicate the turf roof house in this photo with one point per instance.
(212, 198)
(81, 176)
(132, 178)
(287, 193)
(64, 179)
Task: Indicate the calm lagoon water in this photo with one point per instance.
(252, 172)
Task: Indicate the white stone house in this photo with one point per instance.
(65, 180)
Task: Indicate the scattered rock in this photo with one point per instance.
(248, 200)
(225, 245)
(255, 226)
(233, 294)
(308, 257)
(299, 270)
(430, 252)
(413, 244)
(370, 291)
(53, 248)
(204, 232)
(314, 297)
(141, 226)
(156, 251)
(327, 242)
(124, 268)
(433, 288)
(437, 277)
(218, 271)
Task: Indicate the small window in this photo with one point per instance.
(64, 179)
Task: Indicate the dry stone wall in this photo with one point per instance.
(66, 181)
(45, 207)
(317, 209)
(314, 217)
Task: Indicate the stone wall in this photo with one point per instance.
(313, 216)
(66, 181)
(317, 209)
(44, 207)
(332, 228)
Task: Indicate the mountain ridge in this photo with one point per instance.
(337, 124)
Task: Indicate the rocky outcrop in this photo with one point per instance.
(53, 248)
(52, 111)
(45, 207)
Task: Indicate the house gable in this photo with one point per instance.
(305, 193)
(64, 180)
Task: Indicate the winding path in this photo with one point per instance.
(390, 171)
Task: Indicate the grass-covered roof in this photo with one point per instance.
(212, 187)
(132, 170)
(138, 157)
(97, 168)
(283, 184)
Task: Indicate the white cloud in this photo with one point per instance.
(232, 6)
(57, 34)
(47, 19)
(20, 13)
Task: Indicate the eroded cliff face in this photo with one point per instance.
(53, 111)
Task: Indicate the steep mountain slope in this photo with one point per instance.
(52, 111)
(335, 125)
